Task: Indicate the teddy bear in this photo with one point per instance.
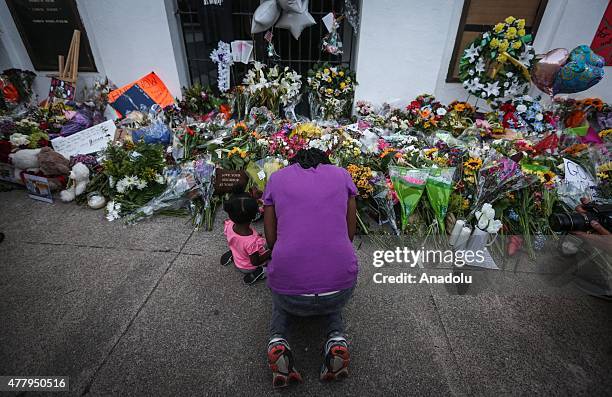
(51, 163)
(79, 178)
(25, 159)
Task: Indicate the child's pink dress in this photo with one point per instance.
(243, 246)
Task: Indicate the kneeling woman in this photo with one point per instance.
(310, 221)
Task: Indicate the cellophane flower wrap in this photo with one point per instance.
(497, 177)
(409, 185)
(383, 197)
(259, 171)
(184, 183)
(439, 187)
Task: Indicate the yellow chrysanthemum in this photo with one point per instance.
(307, 130)
(521, 32)
(501, 58)
(326, 71)
(503, 45)
(516, 45)
(494, 43)
(511, 33)
(342, 85)
(341, 73)
(499, 27)
(510, 19)
(520, 23)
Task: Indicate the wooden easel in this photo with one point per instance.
(69, 67)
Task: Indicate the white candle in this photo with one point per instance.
(452, 239)
(463, 238)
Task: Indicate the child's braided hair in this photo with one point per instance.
(241, 208)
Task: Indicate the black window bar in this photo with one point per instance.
(205, 22)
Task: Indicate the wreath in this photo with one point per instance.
(496, 64)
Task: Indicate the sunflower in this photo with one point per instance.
(240, 128)
(547, 178)
(473, 164)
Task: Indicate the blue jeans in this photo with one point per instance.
(329, 306)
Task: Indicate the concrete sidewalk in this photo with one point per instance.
(148, 310)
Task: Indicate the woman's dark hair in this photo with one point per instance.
(241, 207)
(310, 158)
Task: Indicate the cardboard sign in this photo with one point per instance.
(146, 91)
(38, 187)
(577, 176)
(90, 140)
(226, 179)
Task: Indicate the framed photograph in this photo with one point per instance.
(38, 188)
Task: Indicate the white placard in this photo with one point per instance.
(328, 21)
(242, 50)
(577, 176)
(90, 140)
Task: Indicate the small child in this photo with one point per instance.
(248, 247)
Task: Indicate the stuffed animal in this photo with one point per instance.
(25, 159)
(52, 163)
(79, 178)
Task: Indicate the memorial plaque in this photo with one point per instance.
(46, 28)
(226, 179)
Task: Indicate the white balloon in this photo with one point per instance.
(292, 5)
(265, 16)
(296, 22)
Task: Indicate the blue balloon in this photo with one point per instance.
(583, 70)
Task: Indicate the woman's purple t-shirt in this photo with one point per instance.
(313, 253)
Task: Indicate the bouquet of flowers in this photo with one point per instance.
(185, 184)
(199, 102)
(496, 64)
(425, 113)
(133, 175)
(331, 91)
(497, 177)
(271, 87)
(524, 113)
(459, 116)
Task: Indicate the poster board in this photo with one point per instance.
(46, 28)
(90, 140)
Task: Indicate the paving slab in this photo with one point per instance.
(24, 219)
(63, 308)
(202, 332)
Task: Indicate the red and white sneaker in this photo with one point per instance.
(336, 359)
(281, 363)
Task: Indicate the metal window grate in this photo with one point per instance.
(204, 25)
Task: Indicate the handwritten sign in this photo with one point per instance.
(226, 179)
(577, 176)
(90, 140)
(602, 42)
